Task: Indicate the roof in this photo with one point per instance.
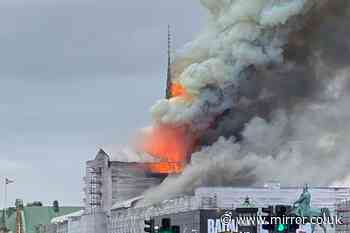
(34, 216)
(37, 215)
(64, 218)
(125, 154)
(126, 204)
(228, 198)
(10, 221)
(101, 155)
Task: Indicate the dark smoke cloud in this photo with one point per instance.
(312, 56)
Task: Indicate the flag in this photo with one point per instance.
(8, 181)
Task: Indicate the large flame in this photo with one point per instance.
(171, 145)
(178, 90)
(166, 168)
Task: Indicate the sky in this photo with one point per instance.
(76, 75)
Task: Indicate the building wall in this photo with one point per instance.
(96, 184)
(187, 221)
(50, 228)
(62, 227)
(203, 221)
(96, 223)
(70, 225)
(343, 211)
(108, 182)
(184, 211)
(131, 220)
(323, 197)
(130, 180)
(74, 225)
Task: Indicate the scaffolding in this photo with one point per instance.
(93, 189)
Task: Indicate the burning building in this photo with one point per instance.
(259, 93)
(109, 181)
(171, 144)
(262, 93)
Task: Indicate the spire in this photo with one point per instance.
(169, 77)
(169, 46)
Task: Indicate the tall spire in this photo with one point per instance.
(169, 46)
(169, 76)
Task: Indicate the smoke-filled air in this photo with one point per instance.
(262, 93)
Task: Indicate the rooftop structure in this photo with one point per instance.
(108, 181)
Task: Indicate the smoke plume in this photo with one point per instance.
(269, 85)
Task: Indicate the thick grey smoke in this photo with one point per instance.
(241, 36)
(275, 77)
(310, 145)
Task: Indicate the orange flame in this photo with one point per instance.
(166, 168)
(178, 90)
(172, 145)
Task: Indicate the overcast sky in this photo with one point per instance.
(76, 75)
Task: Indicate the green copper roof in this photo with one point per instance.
(10, 221)
(37, 215)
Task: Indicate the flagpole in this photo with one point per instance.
(5, 197)
(7, 181)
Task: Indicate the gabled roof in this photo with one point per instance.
(102, 155)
